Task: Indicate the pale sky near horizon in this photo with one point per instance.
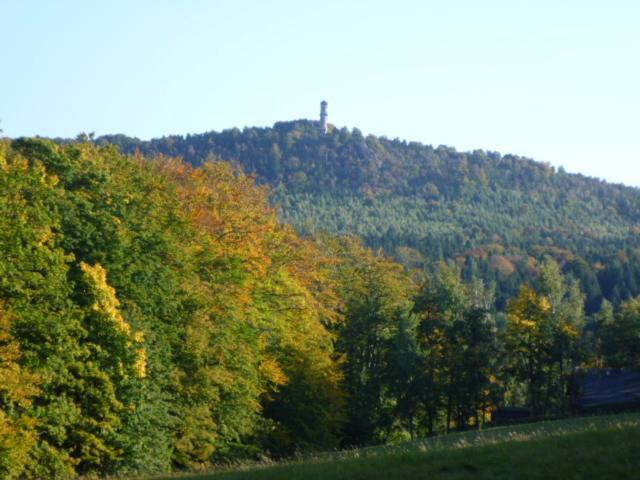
(557, 81)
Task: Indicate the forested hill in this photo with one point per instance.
(497, 215)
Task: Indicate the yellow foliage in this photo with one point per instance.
(140, 363)
(545, 305)
(264, 298)
(17, 387)
(286, 286)
(107, 304)
(15, 382)
(228, 206)
(569, 330)
(106, 301)
(271, 370)
(528, 310)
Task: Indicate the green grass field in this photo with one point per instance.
(586, 448)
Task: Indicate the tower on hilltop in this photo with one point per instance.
(323, 116)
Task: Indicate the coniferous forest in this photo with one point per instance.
(497, 217)
(191, 301)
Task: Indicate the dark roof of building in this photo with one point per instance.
(506, 414)
(609, 387)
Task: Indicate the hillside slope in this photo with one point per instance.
(498, 216)
(597, 448)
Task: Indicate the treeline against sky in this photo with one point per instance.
(157, 316)
(498, 216)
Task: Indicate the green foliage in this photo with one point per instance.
(376, 295)
(158, 316)
(620, 335)
(458, 351)
(17, 388)
(162, 308)
(542, 339)
(499, 215)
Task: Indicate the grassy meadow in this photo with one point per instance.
(595, 448)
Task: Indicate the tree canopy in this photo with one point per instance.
(497, 215)
(157, 315)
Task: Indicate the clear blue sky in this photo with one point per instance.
(555, 80)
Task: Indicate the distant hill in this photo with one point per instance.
(496, 215)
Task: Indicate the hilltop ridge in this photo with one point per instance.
(496, 215)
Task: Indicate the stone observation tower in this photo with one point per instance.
(323, 116)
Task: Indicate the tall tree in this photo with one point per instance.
(457, 347)
(620, 335)
(375, 292)
(542, 338)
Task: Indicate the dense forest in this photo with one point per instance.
(496, 216)
(158, 314)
